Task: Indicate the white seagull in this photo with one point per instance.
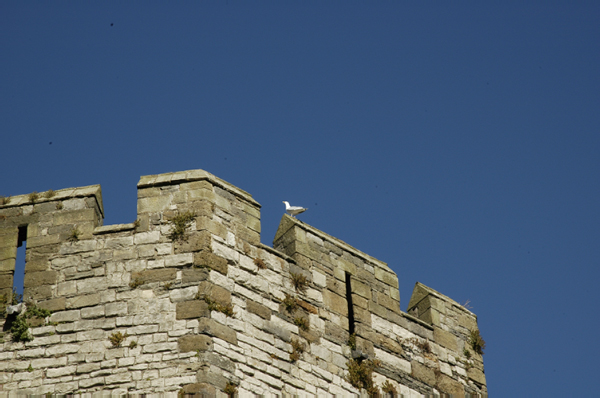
(293, 210)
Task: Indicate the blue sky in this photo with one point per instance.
(456, 142)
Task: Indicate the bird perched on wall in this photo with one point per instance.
(293, 210)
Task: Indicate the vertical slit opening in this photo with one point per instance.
(19, 275)
(350, 306)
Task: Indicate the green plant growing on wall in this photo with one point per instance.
(74, 235)
(4, 200)
(117, 338)
(214, 306)
(16, 297)
(49, 194)
(20, 330)
(30, 368)
(290, 303)
(476, 342)
(352, 341)
(59, 206)
(133, 344)
(34, 196)
(467, 353)
(360, 374)
(179, 224)
(299, 281)
(302, 323)
(20, 327)
(297, 350)
(230, 389)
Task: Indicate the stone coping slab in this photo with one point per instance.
(193, 175)
(61, 194)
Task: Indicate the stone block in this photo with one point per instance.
(38, 293)
(7, 265)
(8, 252)
(205, 259)
(194, 343)
(423, 373)
(65, 316)
(6, 280)
(258, 309)
(450, 386)
(359, 301)
(196, 241)
(386, 276)
(476, 375)
(389, 303)
(217, 360)
(360, 288)
(213, 328)
(156, 275)
(37, 265)
(201, 389)
(143, 238)
(468, 321)
(153, 204)
(445, 339)
(191, 275)
(363, 316)
(57, 304)
(117, 308)
(191, 309)
(335, 303)
(9, 237)
(74, 216)
(92, 312)
(83, 301)
(336, 334)
(206, 376)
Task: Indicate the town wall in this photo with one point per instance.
(187, 300)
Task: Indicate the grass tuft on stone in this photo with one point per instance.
(117, 338)
(230, 389)
(74, 235)
(297, 350)
(33, 197)
(302, 323)
(179, 225)
(290, 303)
(260, 263)
(300, 282)
(476, 342)
(360, 374)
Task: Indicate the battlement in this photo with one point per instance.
(187, 299)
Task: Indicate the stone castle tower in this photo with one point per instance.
(187, 300)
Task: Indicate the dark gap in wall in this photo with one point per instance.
(350, 306)
(19, 275)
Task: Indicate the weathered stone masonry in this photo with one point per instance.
(168, 300)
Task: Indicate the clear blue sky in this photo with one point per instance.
(459, 143)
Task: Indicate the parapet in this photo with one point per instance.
(186, 299)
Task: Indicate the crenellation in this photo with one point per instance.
(205, 307)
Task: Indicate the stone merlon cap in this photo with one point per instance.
(193, 175)
(288, 222)
(62, 194)
(421, 291)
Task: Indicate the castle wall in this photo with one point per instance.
(187, 299)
